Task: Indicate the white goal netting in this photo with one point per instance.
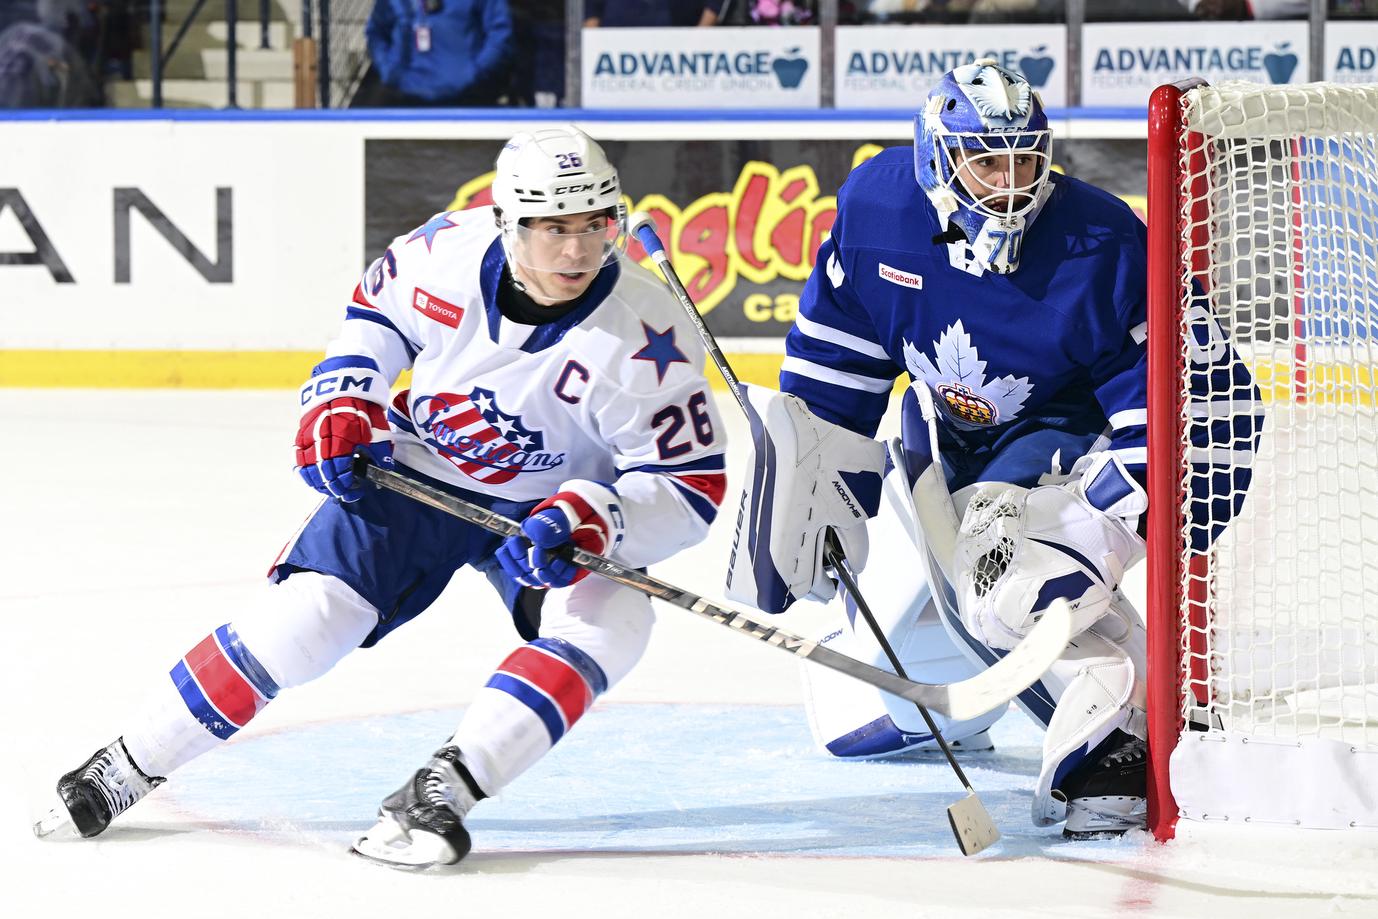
(1279, 647)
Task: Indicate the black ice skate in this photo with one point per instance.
(96, 792)
(1107, 795)
(422, 823)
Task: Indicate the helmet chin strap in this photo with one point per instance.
(953, 234)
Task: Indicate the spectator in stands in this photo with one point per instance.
(17, 11)
(121, 35)
(40, 64)
(1248, 9)
(1139, 10)
(773, 12)
(437, 53)
(1352, 9)
(538, 32)
(950, 12)
(649, 13)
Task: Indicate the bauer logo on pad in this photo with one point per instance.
(442, 312)
(902, 278)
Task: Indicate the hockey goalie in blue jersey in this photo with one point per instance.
(552, 380)
(1015, 297)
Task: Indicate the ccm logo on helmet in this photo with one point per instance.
(573, 189)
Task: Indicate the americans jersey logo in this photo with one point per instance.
(479, 438)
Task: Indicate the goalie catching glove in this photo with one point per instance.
(808, 476)
(1020, 549)
(343, 407)
(584, 514)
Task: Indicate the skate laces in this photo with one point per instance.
(1130, 752)
(117, 780)
(443, 786)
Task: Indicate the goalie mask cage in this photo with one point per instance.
(1263, 649)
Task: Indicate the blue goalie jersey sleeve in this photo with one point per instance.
(833, 358)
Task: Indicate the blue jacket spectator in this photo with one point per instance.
(440, 52)
(649, 13)
(40, 69)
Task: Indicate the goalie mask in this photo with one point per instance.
(982, 153)
(558, 172)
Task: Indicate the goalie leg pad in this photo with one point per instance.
(1099, 689)
(808, 475)
(854, 720)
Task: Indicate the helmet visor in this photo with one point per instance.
(999, 175)
(548, 245)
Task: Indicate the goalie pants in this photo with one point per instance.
(353, 574)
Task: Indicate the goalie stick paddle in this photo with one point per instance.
(963, 700)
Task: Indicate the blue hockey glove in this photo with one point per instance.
(583, 514)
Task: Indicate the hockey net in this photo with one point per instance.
(1263, 649)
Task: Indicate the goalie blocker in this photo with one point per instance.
(808, 476)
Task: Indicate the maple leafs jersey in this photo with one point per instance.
(611, 392)
(1060, 343)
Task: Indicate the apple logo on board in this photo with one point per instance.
(1280, 65)
(1036, 66)
(790, 70)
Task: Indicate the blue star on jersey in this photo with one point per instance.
(661, 348)
(431, 227)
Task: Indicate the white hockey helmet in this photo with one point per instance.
(553, 172)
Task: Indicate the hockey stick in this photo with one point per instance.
(966, 699)
(971, 824)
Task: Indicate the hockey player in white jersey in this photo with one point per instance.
(552, 380)
(1017, 298)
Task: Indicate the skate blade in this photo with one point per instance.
(56, 825)
(388, 843)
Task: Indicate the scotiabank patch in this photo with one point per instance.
(902, 278)
(436, 308)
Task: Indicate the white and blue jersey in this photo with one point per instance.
(504, 412)
(612, 392)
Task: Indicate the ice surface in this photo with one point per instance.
(133, 522)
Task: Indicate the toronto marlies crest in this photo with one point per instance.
(484, 442)
(958, 379)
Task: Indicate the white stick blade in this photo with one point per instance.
(1017, 670)
(972, 826)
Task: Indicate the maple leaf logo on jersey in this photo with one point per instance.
(958, 378)
(484, 442)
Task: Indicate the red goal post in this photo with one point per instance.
(1263, 649)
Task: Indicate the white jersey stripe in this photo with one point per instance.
(840, 338)
(1129, 418)
(836, 377)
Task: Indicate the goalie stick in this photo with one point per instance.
(962, 700)
(971, 824)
